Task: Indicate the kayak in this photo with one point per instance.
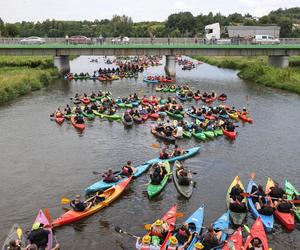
(245, 118)
(154, 116)
(210, 117)
(257, 231)
(236, 239)
(210, 100)
(89, 116)
(102, 185)
(184, 190)
(170, 218)
(175, 116)
(199, 117)
(224, 116)
(188, 153)
(218, 132)
(233, 115)
(109, 194)
(68, 116)
(76, 101)
(79, 126)
(209, 134)
(15, 233)
(170, 139)
(195, 222)
(110, 117)
(200, 136)
(290, 190)
(267, 220)
(222, 98)
(137, 119)
(237, 219)
(154, 190)
(197, 97)
(181, 98)
(189, 97)
(127, 123)
(41, 218)
(222, 224)
(121, 105)
(166, 89)
(85, 100)
(172, 89)
(187, 134)
(287, 219)
(230, 135)
(158, 89)
(150, 81)
(59, 119)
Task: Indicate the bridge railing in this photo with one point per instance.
(147, 40)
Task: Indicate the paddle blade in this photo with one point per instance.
(19, 232)
(148, 227)
(118, 229)
(47, 214)
(246, 228)
(179, 215)
(65, 201)
(154, 145)
(252, 175)
(295, 201)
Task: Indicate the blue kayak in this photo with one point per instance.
(201, 118)
(195, 222)
(224, 117)
(222, 224)
(181, 98)
(189, 153)
(150, 81)
(102, 185)
(267, 220)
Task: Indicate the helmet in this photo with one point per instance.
(198, 245)
(146, 239)
(173, 240)
(158, 222)
(36, 226)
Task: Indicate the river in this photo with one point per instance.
(42, 162)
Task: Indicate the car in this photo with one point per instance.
(121, 40)
(32, 40)
(79, 40)
(265, 39)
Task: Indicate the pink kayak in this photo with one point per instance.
(41, 218)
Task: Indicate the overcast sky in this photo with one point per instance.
(139, 10)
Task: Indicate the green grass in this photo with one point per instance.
(257, 69)
(21, 75)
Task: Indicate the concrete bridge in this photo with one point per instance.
(278, 54)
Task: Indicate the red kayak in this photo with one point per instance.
(85, 100)
(210, 117)
(222, 98)
(59, 118)
(197, 97)
(244, 117)
(170, 219)
(287, 219)
(230, 135)
(210, 100)
(144, 117)
(236, 240)
(79, 126)
(154, 116)
(257, 231)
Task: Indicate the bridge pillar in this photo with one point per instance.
(62, 63)
(279, 61)
(170, 67)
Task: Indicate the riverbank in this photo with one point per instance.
(256, 69)
(21, 75)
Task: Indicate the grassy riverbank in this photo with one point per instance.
(21, 75)
(257, 69)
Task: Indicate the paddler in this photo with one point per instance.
(276, 191)
(128, 169)
(183, 234)
(255, 244)
(110, 177)
(210, 239)
(38, 235)
(159, 229)
(145, 244)
(176, 151)
(68, 110)
(184, 177)
(173, 244)
(164, 154)
(283, 205)
(58, 113)
(78, 205)
(78, 119)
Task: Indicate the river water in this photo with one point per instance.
(42, 162)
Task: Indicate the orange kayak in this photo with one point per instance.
(110, 195)
(245, 118)
(79, 126)
(59, 118)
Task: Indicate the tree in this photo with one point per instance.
(11, 30)
(2, 28)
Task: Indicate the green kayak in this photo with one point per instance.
(89, 116)
(154, 190)
(290, 190)
(166, 89)
(200, 136)
(97, 113)
(218, 132)
(175, 116)
(93, 99)
(128, 105)
(209, 134)
(121, 105)
(187, 134)
(68, 116)
(111, 117)
(173, 89)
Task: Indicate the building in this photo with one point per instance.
(251, 31)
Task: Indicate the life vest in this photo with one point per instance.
(145, 247)
(106, 178)
(125, 171)
(156, 232)
(182, 232)
(171, 248)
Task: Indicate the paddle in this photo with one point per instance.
(121, 231)
(65, 201)
(155, 145)
(19, 232)
(273, 198)
(95, 172)
(178, 215)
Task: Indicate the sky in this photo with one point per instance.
(139, 10)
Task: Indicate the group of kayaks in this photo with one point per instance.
(158, 79)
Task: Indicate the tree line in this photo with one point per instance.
(182, 24)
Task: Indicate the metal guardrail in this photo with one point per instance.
(147, 40)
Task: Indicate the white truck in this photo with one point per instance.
(213, 34)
